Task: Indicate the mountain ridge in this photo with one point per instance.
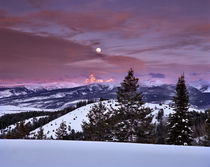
(56, 98)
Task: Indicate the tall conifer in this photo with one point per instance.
(179, 123)
(133, 121)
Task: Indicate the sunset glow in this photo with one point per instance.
(92, 79)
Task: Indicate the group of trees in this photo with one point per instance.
(206, 140)
(9, 119)
(84, 102)
(132, 122)
(63, 134)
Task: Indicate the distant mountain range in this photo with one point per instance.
(63, 97)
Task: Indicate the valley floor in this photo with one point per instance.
(55, 153)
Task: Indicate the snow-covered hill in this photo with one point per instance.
(55, 153)
(11, 127)
(76, 117)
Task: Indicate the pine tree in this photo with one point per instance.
(179, 122)
(145, 127)
(97, 128)
(20, 132)
(40, 134)
(72, 135)
(206, 141)
(61, 132)
(161, 130)
(132, 120)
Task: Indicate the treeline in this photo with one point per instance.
(85, 102)
(9, 119)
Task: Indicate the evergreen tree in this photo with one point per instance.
(75, 135)
(72, 135)
(206, 141)
(61, 132)
(132, 120)
(20, 132)
(179, 122)
(97, 128)
(145, 127)
(161, 130)
(40, 134)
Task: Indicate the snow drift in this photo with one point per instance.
(55, 153)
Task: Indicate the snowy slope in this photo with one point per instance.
(11, 127)
(76, 117)
(55, 153)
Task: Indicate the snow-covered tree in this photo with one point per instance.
(97, 128)
(179, 122)
(132, 120)
(61, 132)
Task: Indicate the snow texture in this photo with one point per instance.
(55, 153)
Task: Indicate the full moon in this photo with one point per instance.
(98, 50)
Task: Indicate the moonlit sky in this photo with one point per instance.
(54, 41)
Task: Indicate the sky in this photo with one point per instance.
(53, 42)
